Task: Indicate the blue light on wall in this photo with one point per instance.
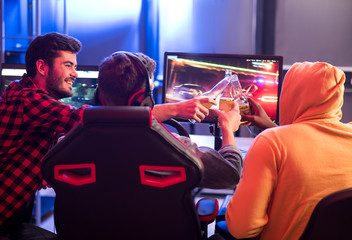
(104, 27)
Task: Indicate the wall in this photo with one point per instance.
(103, 27)
(207, 26)
(216, 26)
(316, 30)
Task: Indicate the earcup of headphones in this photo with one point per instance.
(97, 97)
(148, 101)
(141, 99)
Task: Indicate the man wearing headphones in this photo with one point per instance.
(127, 79)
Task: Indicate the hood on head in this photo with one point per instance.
(311, 91)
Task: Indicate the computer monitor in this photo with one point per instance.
(9, 73)
(188, 75)
(83, 87)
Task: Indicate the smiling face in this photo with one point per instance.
(62, 75)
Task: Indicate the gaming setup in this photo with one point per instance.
(189, 75)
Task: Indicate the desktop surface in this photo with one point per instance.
(209, 141)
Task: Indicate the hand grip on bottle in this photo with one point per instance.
(209, 106)
(216, 106)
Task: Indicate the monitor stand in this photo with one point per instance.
(214, 128)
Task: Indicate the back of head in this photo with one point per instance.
(46, 47)
(311, 91)
(122, 77)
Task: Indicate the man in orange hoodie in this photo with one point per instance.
(289, 168)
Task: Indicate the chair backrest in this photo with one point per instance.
(331, 218)
(120, 175)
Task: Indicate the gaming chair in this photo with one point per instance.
(120, 174)
(331, 217)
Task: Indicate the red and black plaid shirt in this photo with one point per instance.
(29, 121)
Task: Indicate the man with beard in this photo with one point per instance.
(31, 119)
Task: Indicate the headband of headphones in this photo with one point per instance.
(135, 99)
(142, 62)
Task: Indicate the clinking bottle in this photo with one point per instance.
(217, 91)
(240, 98)
(226, 92)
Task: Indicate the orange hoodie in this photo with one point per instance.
(288, 169)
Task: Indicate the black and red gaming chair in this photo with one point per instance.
(331, 217)
(120, 175)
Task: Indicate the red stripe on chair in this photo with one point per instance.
(65, 173)
(150, 118)
(161, 176)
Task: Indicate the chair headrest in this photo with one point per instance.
(132, 115)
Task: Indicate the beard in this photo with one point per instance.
(56, 87)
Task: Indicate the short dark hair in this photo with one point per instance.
(119, 77)
(46, 47)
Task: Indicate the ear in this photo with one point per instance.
(42, 67)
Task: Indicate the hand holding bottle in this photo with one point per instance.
(214, 94)
(195, 109)
(258, 116)
(229, 122)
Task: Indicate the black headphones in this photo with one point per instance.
(142, 97)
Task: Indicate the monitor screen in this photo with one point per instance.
(9, 73)
(189, 75)
(83, 87)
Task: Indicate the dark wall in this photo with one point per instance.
(317, 30)
(314, 30)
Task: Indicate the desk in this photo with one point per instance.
(209, 140)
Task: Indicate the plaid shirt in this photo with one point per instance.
(29, 122)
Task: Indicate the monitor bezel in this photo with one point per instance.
(221, 55)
